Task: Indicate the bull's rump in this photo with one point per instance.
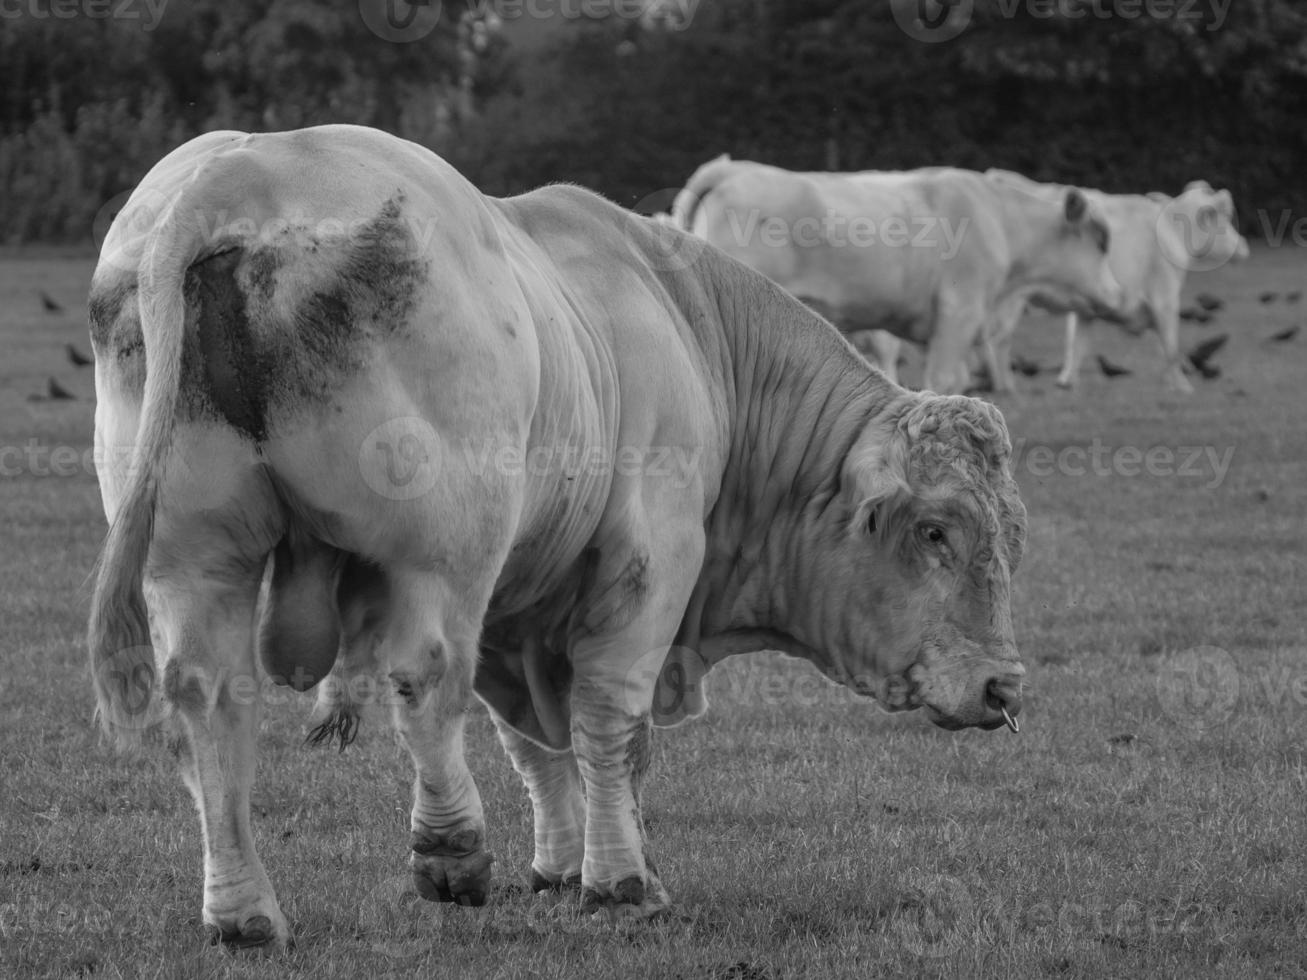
(379, 356)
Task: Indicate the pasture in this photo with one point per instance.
(1148, 820)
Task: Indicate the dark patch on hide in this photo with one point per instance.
(222, 365)
(371, 294)
(612, 605)
(245, 357)
(115, 328)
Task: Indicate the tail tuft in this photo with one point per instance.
(341, 726)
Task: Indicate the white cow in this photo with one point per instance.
(1155, 241)
(927, 255)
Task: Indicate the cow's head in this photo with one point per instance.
(918, 579)
(1075, 262)
(1060, 239)
(1199, 229)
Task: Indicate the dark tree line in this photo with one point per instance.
(630, 106)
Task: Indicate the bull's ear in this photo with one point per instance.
(875, 475)
(1076, 206)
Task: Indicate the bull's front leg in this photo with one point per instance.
(641, 591)
(554, 785)
(613, 744)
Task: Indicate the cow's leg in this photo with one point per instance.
(642, 587)
(1075, 346)
(554, 785)
(1167, 319)
(956, 327)
(210, 681)
(213, 531)
(429, 653)
(997, 344)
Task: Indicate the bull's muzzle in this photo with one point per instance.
(1003, 700)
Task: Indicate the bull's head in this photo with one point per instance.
(934, 530)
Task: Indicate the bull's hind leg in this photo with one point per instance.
(554, 784)
(429, 652)
(202, 586)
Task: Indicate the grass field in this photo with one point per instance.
(1149, 820)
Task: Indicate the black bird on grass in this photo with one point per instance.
(1024, 366)
(1201, 355)
(1270, 296)
(50, 305)
(1209, 302)
(1293, 297)
(1109, 369)
(58, 392)
(1191, 315)
(77, 357)
(1288, 333)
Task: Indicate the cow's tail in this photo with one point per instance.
(699, 186)
(122, 659)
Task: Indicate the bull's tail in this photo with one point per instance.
(122, 660)
(699, 186)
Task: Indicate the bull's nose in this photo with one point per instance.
(1003, 695)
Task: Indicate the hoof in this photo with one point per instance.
(451, 869)
(543, 883)
(630, 898)
(255, 932)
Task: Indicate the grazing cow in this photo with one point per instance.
(539, 448)
(925, 255)
(1155, 241)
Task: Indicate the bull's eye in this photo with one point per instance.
(933, 534)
